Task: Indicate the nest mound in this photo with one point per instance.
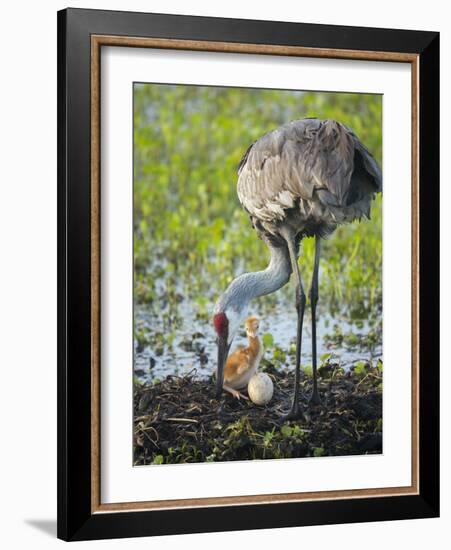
(179, 420)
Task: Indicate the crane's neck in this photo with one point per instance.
(251, 285)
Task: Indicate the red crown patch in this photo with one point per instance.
(221, 324)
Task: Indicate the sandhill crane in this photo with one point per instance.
(301, 180)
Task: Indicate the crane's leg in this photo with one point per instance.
(295, 411)
(315, 400)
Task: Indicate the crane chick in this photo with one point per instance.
(243, 363)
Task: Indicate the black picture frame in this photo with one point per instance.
(76, 521)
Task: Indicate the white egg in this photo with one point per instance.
(260, 388)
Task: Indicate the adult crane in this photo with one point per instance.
(303, 179)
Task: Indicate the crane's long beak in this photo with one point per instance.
(223, 350)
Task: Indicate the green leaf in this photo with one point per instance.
(360, 368)
(318, 451)
(267, 438)
(297, 430)
(308, 369)
(286, 431)
(268, 340)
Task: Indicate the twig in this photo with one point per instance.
(188, 420)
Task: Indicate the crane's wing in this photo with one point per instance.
(305, 159)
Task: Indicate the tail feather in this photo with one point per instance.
(366, 179)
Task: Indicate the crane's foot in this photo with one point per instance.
(296, 413)
(315, 400)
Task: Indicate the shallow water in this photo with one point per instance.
(194, 346)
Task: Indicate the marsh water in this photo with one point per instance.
(193, 345)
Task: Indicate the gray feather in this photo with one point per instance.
(309, 174)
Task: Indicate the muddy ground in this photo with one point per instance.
(179, 419)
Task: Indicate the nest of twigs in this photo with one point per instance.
(180, 420)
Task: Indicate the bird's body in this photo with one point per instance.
(243, 363)
(301, 180)
(308, 175)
